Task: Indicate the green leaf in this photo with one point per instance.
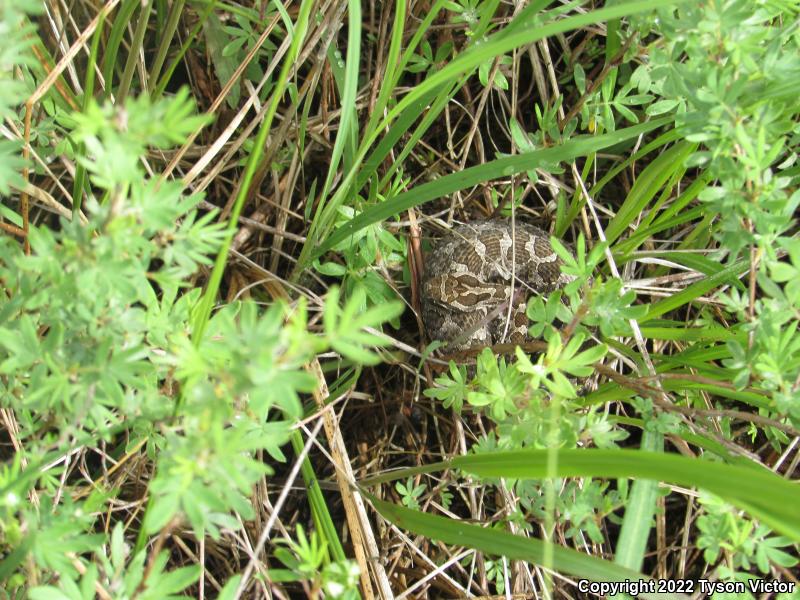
(502, 167)
(344, 328)
(223, 58)
(580, 78)
(47, 592)
(661, 106)
(11, 164)
(162, 509)
(228, 591)
(203, 312)
(648, 184)
(347, 133)
(694, 291)
(639, 511)
(178, 579)
(763, 494)
(500, 543)
(758, 491)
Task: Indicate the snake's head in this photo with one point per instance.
(463, 292)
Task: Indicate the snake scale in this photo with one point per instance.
(468, 282)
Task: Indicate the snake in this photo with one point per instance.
(475, 271)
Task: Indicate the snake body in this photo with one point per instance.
(467, 283)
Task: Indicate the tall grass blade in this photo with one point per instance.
(501, 167)
(502, 543)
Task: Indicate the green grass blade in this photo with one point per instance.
(80, 183)
(502, 543)
(647, 185)
(502, 167)
(169, 31)
(190, 39)
(523, 34)
(639, 512)
(642, 233)
(401, 127)
(135, 49)
(203, 311)
(437, 106)
(691, 260)
(121, 22)
(349, 90)
(319, 508)
(765, 495)
(527, 13)
(694, 291)
(393, 68)
(579, 200)
(759, 401)
(677, 331)
(696, 356)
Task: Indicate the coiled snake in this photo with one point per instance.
(467, 282)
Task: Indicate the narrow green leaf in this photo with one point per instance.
(121, 21)
(47, 593)
(319, 507)
(762, 493)
(229, 590)
(522, 35)
(203, 311)
(502, 543)
(501, 167)
(175, 11)
(133, 51)
(754, 399)
(694, 291)
(224, 66)
(349, 89)
(578, 199)
(639, 511)
(679, 332)
(647, 185)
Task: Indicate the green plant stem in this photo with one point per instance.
(641, 508)
(253, 162)
(166, 39)
(88, 93)
(133, 55)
